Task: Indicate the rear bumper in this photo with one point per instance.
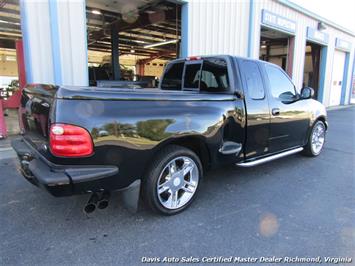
(59, 180)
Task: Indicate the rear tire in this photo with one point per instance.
(315, 140)
(173, 180)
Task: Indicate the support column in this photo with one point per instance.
(114, 53)
(322, 71)
(21, 70)
(3, 128)
(55, 41)
(343, 100)
(290, 55)
(184, 46)
(251, 28)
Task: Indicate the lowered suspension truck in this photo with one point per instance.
(156, 144)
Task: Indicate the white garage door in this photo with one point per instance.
(337, 78)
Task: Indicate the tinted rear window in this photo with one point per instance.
(214, 75)
(211, 77)
(173, 76)
(192, 76)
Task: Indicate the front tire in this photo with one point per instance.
(316, 140)
(173, 180)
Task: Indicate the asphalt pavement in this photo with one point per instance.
(293, 207)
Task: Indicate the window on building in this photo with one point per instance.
(173, 76)
(255, 84)
(280, 85)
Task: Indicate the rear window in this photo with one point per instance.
(173, 76)
(192, 76)
(211, 77)
(214, 75)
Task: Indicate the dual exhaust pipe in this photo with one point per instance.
(97, 200)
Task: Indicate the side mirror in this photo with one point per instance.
(307, 93)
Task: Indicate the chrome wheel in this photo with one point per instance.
(177, 182)
(318, 137)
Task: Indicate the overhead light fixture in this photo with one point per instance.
(263, 46)
(160, 43)
(103, 42)
(10, 58)
(138, 41)
(96, 12)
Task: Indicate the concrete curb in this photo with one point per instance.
(339, 107)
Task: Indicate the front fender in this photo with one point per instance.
(318, 112)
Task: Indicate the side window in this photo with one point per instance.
(214, 75)
(173, 76)
(255, 84)
(192, 76)
(280, 85)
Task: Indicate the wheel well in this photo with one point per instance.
(322, 118)
(198, 146)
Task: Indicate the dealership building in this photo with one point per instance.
(78, 42)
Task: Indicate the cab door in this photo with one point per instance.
(257, 109)
(289, 119)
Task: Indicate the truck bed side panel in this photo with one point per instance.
(127, 133)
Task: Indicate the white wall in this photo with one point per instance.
(54, 34)
(35, 24)
(218, 27)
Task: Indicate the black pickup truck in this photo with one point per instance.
(208, 112)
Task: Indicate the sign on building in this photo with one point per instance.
(276, 21)
(317, 36)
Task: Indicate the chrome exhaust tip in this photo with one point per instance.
(90, 206)
(104, 200)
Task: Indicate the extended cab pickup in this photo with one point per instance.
(208, 111)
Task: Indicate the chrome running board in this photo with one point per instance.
(270, 158)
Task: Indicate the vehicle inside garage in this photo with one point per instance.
(131, 41)
(10, 31)
(277, 47)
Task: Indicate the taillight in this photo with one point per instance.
(70, 141)
(193, 58)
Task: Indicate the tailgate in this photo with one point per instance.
(36, 103)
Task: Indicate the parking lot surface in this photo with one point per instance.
(295, 206)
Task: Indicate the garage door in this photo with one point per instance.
(337, 78)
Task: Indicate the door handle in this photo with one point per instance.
(275, 111)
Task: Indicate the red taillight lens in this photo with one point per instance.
(70, 141)
(193, 58)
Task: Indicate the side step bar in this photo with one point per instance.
(270, 158)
